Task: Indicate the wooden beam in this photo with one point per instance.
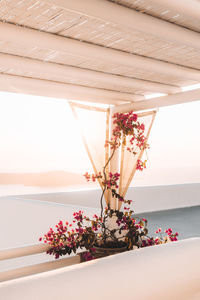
(31, 38)
(179, 98)
(12, 64)
(47, 88)
(186, 8)
(132, 20)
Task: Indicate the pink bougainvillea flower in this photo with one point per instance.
(88, 232)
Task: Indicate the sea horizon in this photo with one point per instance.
(21, 189)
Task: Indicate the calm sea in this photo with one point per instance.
(20, 189)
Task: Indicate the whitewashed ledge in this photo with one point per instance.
(170, 271)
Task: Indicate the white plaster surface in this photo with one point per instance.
(170, 271)
(23, 221)
(145, 199)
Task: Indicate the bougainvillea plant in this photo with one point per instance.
(128, 231)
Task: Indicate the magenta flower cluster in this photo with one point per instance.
(90, 233)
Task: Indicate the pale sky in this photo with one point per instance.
(175, 147)
(39, 134)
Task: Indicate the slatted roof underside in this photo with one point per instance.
(161, 11)
(48, 17)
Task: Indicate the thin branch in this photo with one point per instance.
(105, 179)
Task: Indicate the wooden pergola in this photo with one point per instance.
(113, 52)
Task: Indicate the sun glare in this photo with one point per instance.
(40, 134)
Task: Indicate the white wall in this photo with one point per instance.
(170, 271)
(145, 199)
(23, 221)
(154, 198)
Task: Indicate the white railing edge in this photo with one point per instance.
(38, 268)
(10, 253)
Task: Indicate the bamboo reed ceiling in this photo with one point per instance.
(162, 11)
(52, 17)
